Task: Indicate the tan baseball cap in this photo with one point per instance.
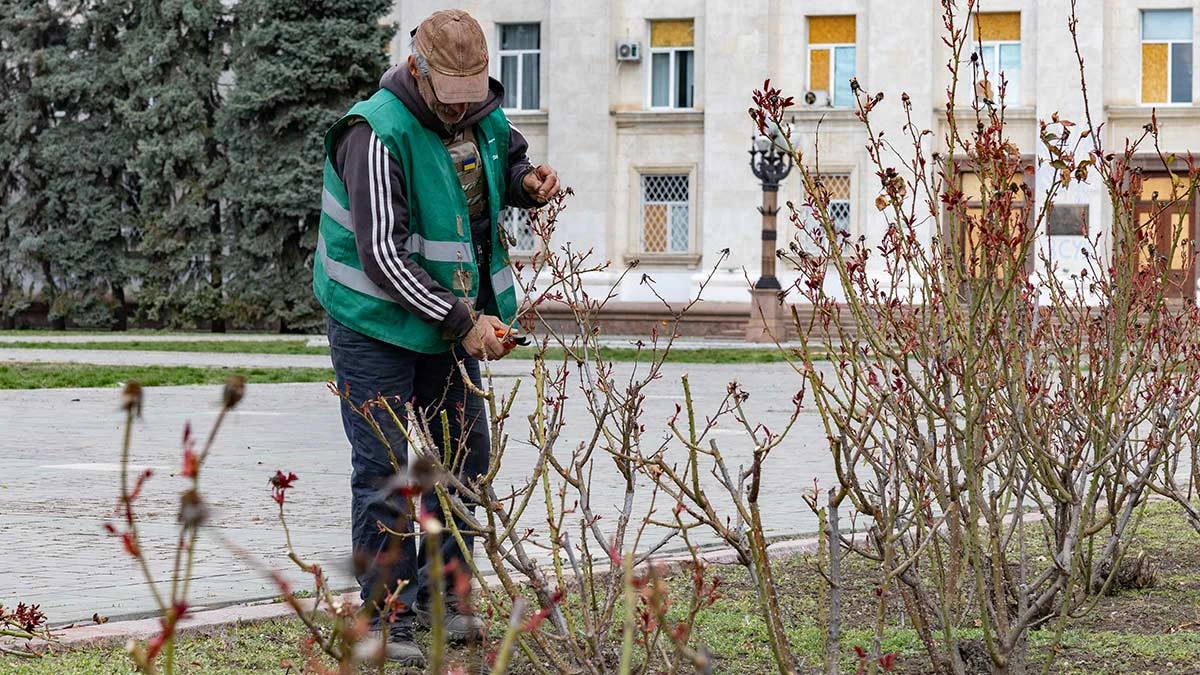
(453, 44)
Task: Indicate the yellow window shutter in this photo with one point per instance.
(997, 26)
(818, 69)
(1154, 73)
(654, 228)
(826, 30)
(837, 185)
(672, 33)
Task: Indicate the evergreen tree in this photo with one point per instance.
(299, 65)
(91, 218)
(30, 30)
(175, 56)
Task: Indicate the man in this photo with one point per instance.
(414, 275)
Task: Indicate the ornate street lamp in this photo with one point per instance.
(771, 162)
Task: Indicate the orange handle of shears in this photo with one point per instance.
(509, 338)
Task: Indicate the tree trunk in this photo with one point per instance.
(51, 292)
(1016, 660)
(121, 318)
(215, 261)
(10, 320)
(833, 640)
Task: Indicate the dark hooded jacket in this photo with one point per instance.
(376, 254)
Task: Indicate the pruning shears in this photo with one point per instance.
(510, 339)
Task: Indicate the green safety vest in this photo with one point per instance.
(438, 221)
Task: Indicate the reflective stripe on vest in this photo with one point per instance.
(331, 207)
(502, 280)
(429, 249)
(356, 279)
(348, 276)
(440, 251)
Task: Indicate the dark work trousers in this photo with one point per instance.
(433, 383)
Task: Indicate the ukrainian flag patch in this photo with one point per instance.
(470, 164)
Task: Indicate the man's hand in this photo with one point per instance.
(481, 341)
(541, 183)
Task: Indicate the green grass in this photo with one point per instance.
(1107, 642)
(75, 375)
(100, 334)
(207, 346)
(260, 648)
(716, 356)
(737, 638)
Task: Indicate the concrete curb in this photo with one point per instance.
(207, 622)
(73, 337)
(115, 357)
(204, 622)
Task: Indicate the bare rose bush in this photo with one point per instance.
(997, 426)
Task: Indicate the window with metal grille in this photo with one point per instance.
(517, 225)
(666, 219)
(838, 187)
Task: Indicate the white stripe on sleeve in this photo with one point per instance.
(382, 245)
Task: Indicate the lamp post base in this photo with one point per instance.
(769, 318)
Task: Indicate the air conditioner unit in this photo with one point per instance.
(817, 99)
(629, 51)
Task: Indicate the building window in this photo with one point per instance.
(998, 42)
(832, 57)
(1167, 56)
(519, 228)
(520, 65)
(666, 214)
(838, 187)
(672, 63)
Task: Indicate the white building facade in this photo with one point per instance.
(642, 109)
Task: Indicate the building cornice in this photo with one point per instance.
(1022, 113)
(1141, 113)
(814, 114)
(530, 118)
(663, 259)
(659, 119)
(827, 119)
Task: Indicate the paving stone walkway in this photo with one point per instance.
(59, 453)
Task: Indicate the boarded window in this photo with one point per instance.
(672, 63)
(1167, 56)
(997, 37)
(832, 57)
